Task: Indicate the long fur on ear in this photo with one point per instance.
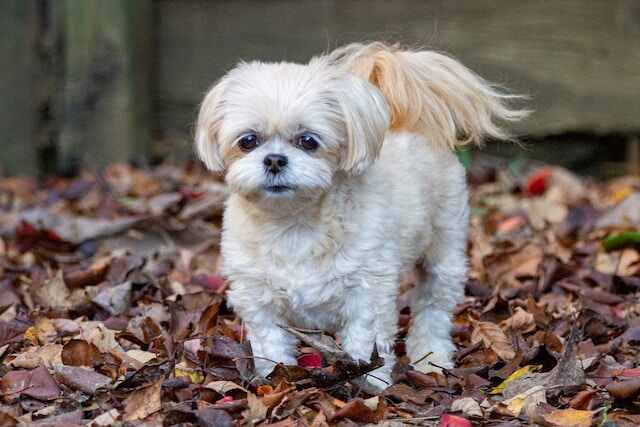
(366, 118)
(207, 127)
(431, 93)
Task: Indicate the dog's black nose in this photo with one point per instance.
(275, 162)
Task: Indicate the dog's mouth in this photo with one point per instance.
(277, 189)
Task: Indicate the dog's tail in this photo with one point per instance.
(432, 94)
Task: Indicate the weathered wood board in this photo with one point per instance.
(578, 60)
(125, 70)
(106, 102)
(17, 73)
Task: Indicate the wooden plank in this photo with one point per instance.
(106, 103)
(17, 69)
(578, 60)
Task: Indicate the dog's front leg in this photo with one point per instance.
(371, 318)
(269, 342)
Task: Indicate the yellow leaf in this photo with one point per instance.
(525, 402)
(517, 374)
(619, 194)
(569, 418)
(196, 377)
(31, 334)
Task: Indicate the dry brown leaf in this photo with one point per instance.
(257, 409)
(103, 338)
(521, 320)
(83, 379)
(36, 383)
(115, 299)
(468, 406)
(47, 355)
(552, 417)
(54, 293)
(625, 389)
(492, 337)
(144, 402)
(106, 419)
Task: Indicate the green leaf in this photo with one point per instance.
(621, 240)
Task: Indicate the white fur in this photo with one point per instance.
(330, 253)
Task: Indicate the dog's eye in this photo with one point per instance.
(248, 142)
(307, 142)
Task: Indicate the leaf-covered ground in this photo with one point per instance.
(112, 312)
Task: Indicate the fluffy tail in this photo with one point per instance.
(431, 94)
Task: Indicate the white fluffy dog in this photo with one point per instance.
(342, 179)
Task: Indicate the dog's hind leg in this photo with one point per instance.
(440, 287)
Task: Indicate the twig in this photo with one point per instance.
(422, 358)
(235, 359)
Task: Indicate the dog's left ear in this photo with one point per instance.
(366, 119)
(209, 121)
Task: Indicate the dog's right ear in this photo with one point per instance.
(209, 121)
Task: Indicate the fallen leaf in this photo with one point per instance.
(357, 411)
(47, 355)
(115, 299)
(625, 389)
(448, 420)
(257, 410)
(552, 417)
(525, 370)
(624, 214)
(521, 320)
(106, 419)
(468, 406)
(492, 337)
(538, 182)
(101, 337)
(36, 383)
(141, 356)
(310, 360)
(526, 402)
(73, 229)
(194, 375)
(83, 379)
(223, 387)
(567, 373)
(211, 417)
(54, 293)
(144, 402)
(80, 353)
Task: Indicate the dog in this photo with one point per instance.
(342, 178)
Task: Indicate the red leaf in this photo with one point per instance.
(629, 372)
(310, 360)
(448, 420)
(538, 182)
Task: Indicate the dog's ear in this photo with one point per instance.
(209, 121)
(366, 119)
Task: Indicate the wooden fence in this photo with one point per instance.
(87, 82)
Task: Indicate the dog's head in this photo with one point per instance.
(284, 131)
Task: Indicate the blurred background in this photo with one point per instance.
(85, 83)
